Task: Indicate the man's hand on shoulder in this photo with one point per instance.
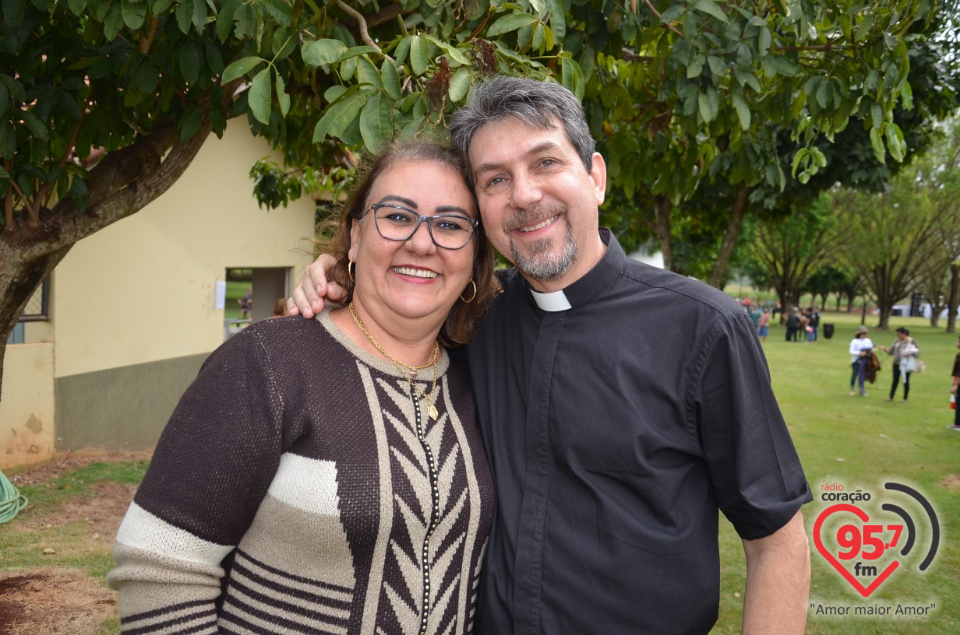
(309, 295)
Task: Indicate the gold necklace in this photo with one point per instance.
(410, 372)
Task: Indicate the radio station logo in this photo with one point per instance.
(866, 545)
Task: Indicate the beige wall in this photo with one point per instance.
(26, 412)
(132, 308)
(142, 289)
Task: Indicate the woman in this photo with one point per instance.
(955, 373)
(327, 475)
(905, 352)
(860, 349)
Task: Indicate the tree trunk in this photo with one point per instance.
(123, 183)
(662, 208)
(729, 243)
(954, 298)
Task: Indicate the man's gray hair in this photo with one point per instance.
(533, 102)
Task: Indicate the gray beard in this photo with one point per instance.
(542, 265)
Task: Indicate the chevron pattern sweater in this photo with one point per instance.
(300, 488)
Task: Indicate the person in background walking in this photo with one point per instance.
(953, 389)
(763, 325)
(860, 347)
(905, 352)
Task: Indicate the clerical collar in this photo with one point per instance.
(585, 290)
(551, 302)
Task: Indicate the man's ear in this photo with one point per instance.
(598, 174)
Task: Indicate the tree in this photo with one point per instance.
(897, 235)
(792, 249)
(104, 104)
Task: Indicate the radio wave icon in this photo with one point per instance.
(908, 521)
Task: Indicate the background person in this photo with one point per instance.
(610, 469)
(327, 475)
(905, 352)
(955, 373)
(763, 325)
(860, 349)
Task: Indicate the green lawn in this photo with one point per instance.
(858, 442)
(863, 443)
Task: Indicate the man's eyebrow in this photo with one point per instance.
(535, 150)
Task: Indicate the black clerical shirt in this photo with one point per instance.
(616, 429)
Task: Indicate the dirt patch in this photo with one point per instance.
(62, 601)
(951, 482)
(55, 601)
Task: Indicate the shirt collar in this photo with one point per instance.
(584, 290)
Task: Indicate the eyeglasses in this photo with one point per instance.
(449, 231)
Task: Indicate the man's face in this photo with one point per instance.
(538, 203)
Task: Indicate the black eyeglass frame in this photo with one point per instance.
(474, 223)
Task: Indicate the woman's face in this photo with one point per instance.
(412, 278)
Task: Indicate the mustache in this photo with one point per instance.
(533, 215)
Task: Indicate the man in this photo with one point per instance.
(621, 405)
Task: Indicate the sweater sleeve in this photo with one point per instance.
(211, 469)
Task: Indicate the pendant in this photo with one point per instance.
(432, 410)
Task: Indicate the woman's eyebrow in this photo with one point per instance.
(399, 199)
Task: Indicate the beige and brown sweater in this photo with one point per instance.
(299, 488)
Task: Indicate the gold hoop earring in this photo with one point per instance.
(464, 300)
(350, 271)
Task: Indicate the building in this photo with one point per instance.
(133, 310)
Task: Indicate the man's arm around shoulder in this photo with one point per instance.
(778, 581)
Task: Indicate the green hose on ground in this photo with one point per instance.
(11, 500)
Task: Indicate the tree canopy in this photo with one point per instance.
(103, 104)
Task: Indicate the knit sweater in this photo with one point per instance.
(299, 487)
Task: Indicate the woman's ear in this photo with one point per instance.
(354, 240)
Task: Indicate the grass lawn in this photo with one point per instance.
(863, 443)
(860, 443)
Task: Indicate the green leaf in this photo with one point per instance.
(37, 129)
(673, 13)
(391, 80)
(695, 67)
(825, 94)
(709, 104)
(190, 123)
(367, 73)
(376, 125)
(240, 68)
(557, 21)
(134, 12)
(225, 19)
(717, 66)
(764, 41)
(113, 21)
(4, 98)
(877, 142)
(710, 8)
(259, 96)
(572, 76)
(282, 97)
(460, 84)
(199, 17)
(322, 52)
(419, 54)
(190, 62)
(454, 53)
(743, 110)
(895, 141)
(906, 95)
(184, 13)
(340, 114)
(509, 23)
